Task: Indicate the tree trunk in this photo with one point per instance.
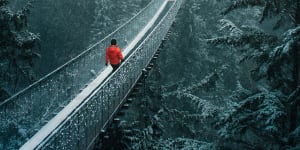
(297, 15)
(295, 98)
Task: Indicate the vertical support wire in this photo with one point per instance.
(102, 107)
(134, 66)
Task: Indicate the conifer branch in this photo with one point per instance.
(242, 4)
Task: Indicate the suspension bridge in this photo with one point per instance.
(71, 106)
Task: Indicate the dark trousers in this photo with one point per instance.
(115, 67)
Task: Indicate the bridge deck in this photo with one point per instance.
(56, 121)
(78, 124)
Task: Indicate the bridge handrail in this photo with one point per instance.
(80, 129)
(31, 108)
(72, 60)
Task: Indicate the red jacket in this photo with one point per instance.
(113, 55)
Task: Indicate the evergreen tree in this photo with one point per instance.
(283, 9)
(17, 48)
(269, 115)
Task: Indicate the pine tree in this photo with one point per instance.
(274, 106)
(283, 9)
(17, 48)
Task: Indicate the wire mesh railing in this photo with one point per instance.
(80, 129)
(22, 115)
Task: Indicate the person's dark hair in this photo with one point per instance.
(113, 42)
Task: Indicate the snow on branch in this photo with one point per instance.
(226, 40)
(231, 27)
(287, 8)
(207, 83)
(292, 34)
(239, 37)
(263, 111)
(204, 107)
(183, 144)
(242, 4)
(201, 106)
(282, 56)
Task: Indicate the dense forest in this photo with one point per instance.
(235, 86)
(228, 77)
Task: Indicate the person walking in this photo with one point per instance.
(113, 55)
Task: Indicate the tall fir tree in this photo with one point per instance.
(17, 48)
(275, 105)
